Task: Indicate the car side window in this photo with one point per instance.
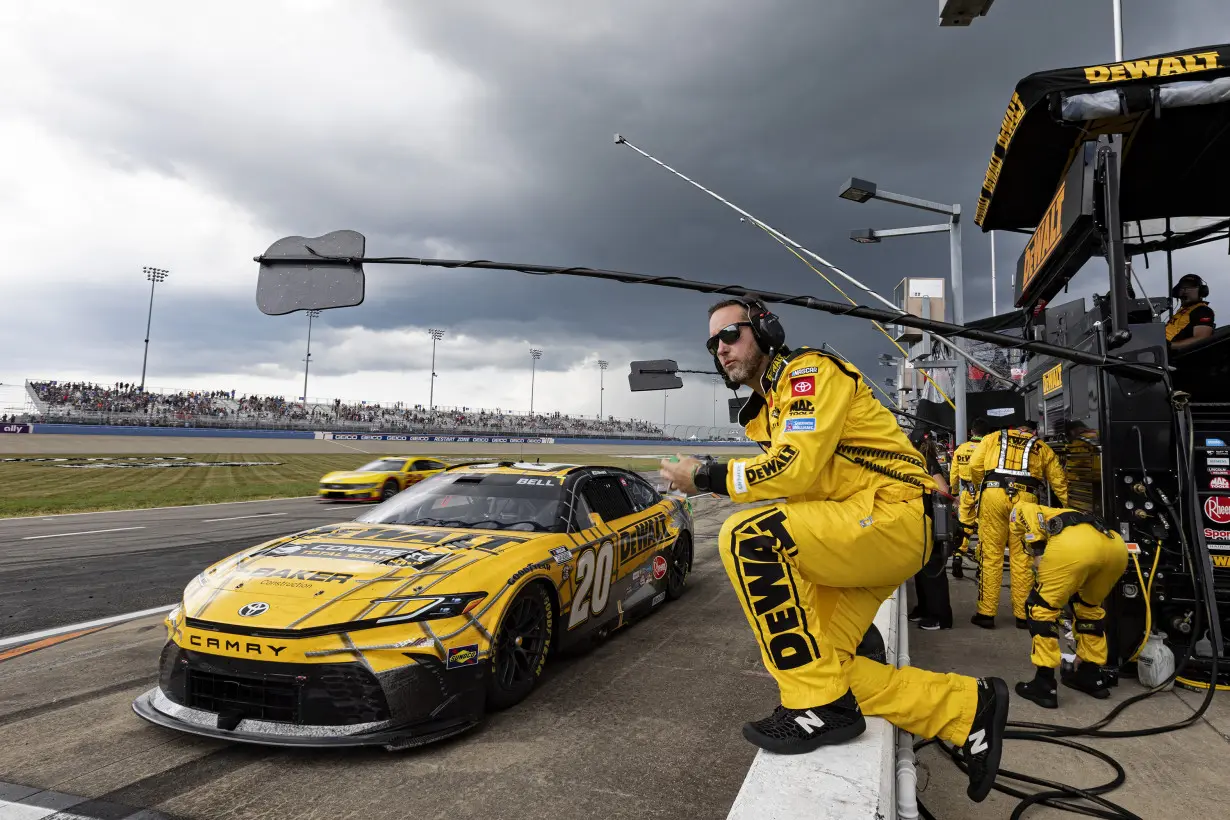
(643, 496)
(605, 497)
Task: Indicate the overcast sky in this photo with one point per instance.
(192, 136)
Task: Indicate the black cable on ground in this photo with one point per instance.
(1057, 795)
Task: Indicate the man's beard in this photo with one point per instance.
(744, 372)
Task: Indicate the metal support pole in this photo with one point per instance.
(436, 335)
(1118, 11)
(601, 386)
(307, 359)
(993, 309)
(154, 275)
(958, 318)
(534, 356)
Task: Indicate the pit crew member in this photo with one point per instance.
(1079, 559)
(811, 571)
(1009, 466)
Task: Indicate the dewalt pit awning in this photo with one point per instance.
(1172, 110)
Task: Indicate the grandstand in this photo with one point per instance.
(126, 404)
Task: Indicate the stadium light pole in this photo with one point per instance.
(861, 190)
(602, 366)
(312, 314)
(535, 355)
(436, 335)
(154, 275)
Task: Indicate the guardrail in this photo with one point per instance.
(870, 778)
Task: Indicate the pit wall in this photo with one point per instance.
(869, 778)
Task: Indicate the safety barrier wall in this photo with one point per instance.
(858, 780)
(213, 432)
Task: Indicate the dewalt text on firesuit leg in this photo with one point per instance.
(1009, 466)
(1079, 560)
(811, 571)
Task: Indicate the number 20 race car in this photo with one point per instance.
(407, 624)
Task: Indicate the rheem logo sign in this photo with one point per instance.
(1217, 509)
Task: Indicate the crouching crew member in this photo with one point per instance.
(1009, 467)
(962, 484)
(1079, 559)
(812, 570)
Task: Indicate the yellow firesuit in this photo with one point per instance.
(962, 485)
(1079, 564)
(812, 570)
(1009, 467)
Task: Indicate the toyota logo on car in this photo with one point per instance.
(249, 610)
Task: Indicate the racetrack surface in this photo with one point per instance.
(647, 724)
(65, 569)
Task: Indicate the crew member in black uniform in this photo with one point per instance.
(1194, 320)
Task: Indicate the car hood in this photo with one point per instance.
(355, 477)
(335, 574)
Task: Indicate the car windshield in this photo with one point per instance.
(384, 465)
(496, 501)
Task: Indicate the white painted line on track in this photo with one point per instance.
(60, 630)
(237, 517)
(83, 532)
(156, 509)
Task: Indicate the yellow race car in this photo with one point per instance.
(378, 480)
(407, 624)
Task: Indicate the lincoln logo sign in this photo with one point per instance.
(1217, 509)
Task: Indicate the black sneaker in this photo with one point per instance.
(1040, 691)
(914, 614)
(985, 744)
(932, 624)
(796, 731)
(1088, 678)
(984, 621)
(1021, 623)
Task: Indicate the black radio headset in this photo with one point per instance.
(1204, 288)
(766, 329)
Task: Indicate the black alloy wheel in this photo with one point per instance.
(390, 489)
(519, 650)
(678, 563)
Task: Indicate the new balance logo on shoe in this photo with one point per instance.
(809, 719)
(978, 741)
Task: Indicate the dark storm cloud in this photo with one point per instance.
(773, 104)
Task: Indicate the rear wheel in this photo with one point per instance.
(678, 563)
(520, 647)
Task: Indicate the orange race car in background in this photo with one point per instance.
(378, 480)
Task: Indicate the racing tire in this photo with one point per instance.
(520, 647)
(679, 563)
(390, 489)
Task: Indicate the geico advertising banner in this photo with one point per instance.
(433, 439)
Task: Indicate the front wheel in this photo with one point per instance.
(679, 562)
(520, 647)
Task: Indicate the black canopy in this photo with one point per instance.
(1172, 109)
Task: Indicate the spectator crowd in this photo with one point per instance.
(128, 403)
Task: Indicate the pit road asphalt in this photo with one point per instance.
(645, 725)
(60, 570)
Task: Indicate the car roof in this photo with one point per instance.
(518, 467)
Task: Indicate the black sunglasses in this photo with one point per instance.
(729, 334)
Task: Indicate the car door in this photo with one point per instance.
(597, 583)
